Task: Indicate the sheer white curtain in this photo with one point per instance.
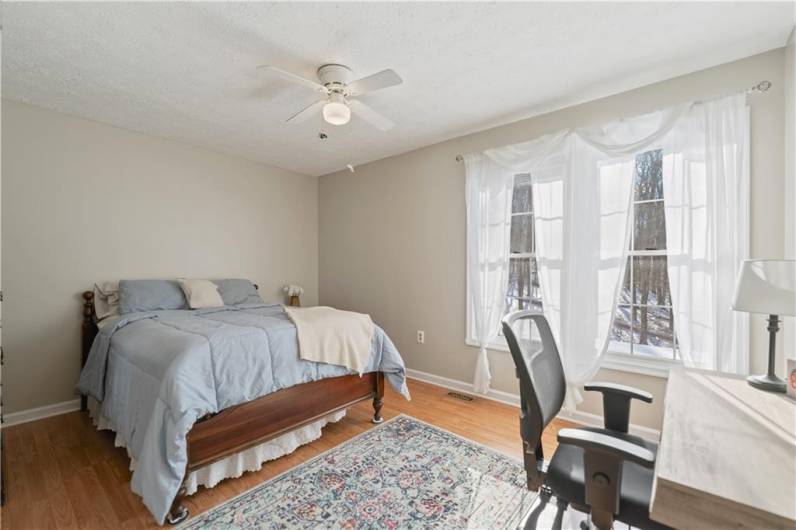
(581, 206)
(582, 197)
(582, 192)
(489, 188)
(706, 198)
(582, 183)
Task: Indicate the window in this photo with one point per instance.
(644, 323)
(523, 290)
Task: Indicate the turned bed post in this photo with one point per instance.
(178, 513)
(89, 331)
(377, 398)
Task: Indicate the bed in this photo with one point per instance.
(185, 389)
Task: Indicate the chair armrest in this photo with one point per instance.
(616, 403)
(603, 462)
(595, 441)
(619, 390)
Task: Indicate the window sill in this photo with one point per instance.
(494, 346)
(623, 362)
(618, 361)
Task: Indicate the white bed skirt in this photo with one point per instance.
(235, 465)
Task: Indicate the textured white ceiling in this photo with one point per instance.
(186, 71)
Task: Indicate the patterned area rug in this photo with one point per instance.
(402, 474)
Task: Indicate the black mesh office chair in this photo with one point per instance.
(605, 472)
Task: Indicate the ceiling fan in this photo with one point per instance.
(334, 82)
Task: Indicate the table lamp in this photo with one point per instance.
(767, 286)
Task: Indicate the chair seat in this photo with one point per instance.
(566, 477)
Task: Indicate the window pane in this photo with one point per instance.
(626, 294)
(536, 290)
(517, 304)
(650, 281)
(620, 331)
(519, 278)
(648, 183)
(522, 233)
(652, 326)
(521, 199)
(523, 288)
(650, 229)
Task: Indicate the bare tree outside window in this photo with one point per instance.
(523, 290)
(644, 318)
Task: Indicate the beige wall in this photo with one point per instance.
(392, 235)
(86, 202)
(790, 177)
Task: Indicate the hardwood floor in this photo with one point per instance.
(63, 473)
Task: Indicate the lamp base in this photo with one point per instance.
(769, 383)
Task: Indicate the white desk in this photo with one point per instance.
(727, 457)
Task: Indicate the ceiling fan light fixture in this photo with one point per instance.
(334, 81)
(336, 113)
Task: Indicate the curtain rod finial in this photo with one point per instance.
(762, 86)
(459, 158)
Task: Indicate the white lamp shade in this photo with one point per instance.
(766, 286)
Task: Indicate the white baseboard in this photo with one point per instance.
(584, 418)
(495, 395)
(24, 416)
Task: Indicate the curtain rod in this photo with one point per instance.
(759, 88)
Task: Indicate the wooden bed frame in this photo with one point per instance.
(217, 436)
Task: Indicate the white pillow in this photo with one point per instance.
(201, 293)
(106, 300)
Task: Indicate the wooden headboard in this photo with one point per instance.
(89, 333)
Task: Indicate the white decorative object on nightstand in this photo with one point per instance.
(294, 292)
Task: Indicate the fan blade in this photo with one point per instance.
(370, 115)
(284, 74)
(377, 81)
(306, 112)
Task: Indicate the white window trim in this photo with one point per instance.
(638, 365)
(499, 344)
(618, 357)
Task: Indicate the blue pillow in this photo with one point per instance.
(150, 295)
(237, 291)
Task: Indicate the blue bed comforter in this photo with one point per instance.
(157, 372)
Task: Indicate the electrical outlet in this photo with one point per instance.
(421, 336)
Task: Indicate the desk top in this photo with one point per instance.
(726, 443)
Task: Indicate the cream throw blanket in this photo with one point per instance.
(328, 335)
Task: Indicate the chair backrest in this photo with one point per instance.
(541, 375)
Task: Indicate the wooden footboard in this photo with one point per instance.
(249, 424)
(244, 426)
